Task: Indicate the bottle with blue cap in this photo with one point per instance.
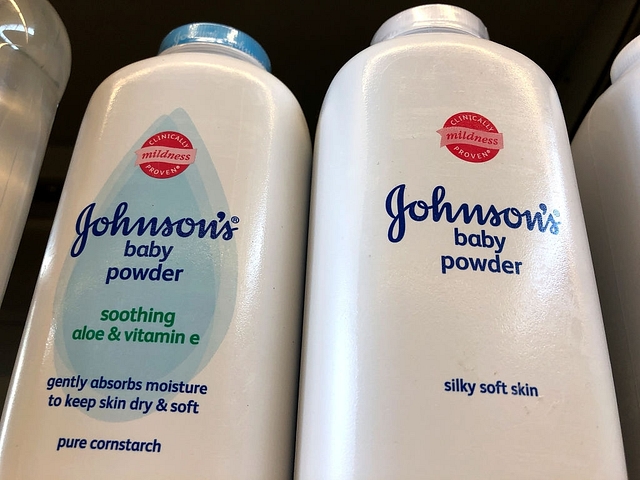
(163, 338)
(606, 150)
(452, 328)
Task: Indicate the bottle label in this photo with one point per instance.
(472, 226)
(404, 210)
(148, 287)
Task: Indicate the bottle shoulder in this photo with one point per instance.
(614, 118)
(445, 54)
(624, 87)
(212, 92)
(203, 70)
(617, 108)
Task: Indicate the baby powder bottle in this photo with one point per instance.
(606, 153)
(163, 339)
(35, 60)
(452, 320)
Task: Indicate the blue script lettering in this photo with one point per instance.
(86, 226)
(401, 212)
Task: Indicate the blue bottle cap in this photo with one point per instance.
(217, 34)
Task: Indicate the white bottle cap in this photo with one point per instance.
(627, 57)
(431, 18)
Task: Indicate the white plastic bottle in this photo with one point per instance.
(163, 339)
(35, 60)
(606, 151)
(452, 327)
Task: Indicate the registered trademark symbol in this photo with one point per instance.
(235, 219)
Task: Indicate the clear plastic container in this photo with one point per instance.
(35, 60)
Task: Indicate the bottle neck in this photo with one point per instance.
(214, 48)
(438, 29)
(431, 19)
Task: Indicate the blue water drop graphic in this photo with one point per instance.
(167, 326)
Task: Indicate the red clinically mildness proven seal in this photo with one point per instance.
(471, 137)
(165, 155)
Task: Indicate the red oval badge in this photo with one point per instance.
(165, 155)
(471, 137)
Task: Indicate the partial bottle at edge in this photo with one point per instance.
(163, 340)
(35, 61)
(606, 152)
(452, 320)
